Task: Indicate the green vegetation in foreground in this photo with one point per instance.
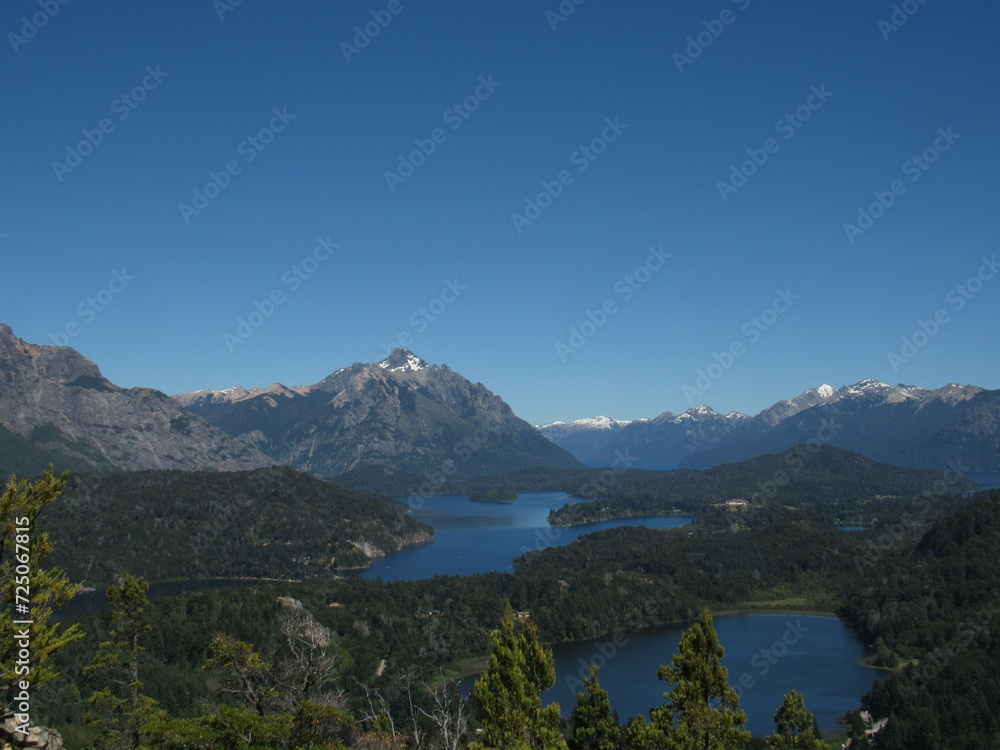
(387, 636)
(508, 694)
(285, 701)
(28, 580)
(386, 641)
(702, 709)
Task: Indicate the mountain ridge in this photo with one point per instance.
(57, 407)
(902, 424)
(402, 413)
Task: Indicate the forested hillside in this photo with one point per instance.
(935, 608)
(831, 483)
(619, 580)
(921, 597)
(267, 523)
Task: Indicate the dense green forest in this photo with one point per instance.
(922, 596)
(808, 482)
(493, 496)
(935, 608)
(620, 579)
(268, 523)
(830, 484)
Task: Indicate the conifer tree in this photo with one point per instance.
(702, 710)
(38, 590)
(120, 710)
(797, 728)
(595, 725)
(856, 731)
(242, 672)
(508, 694)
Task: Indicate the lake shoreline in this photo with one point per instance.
(625, 516)
(628, 667)
(463, 666)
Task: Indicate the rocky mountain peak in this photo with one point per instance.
(826, 390)
(59, 364)
(877, 390)
(401, 412)
(57, 407)
(403, 360)
(953, 393)
(702, 410)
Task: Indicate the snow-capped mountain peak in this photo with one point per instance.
(696, 412)
(898, 423)
(402, 360)
(878, 389)
(600, 423)
(703, 411)
(867, 386)
(589, 423)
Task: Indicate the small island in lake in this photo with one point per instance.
(493, 496)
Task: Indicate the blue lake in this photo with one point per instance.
(90, 602)
(988, 480)
(766, 655)
(475, 537)
(644, 465)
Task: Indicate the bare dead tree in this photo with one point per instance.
(407, 681)
(451, 715)
(381, 733)
(311, 664)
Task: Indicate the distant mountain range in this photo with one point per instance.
(954, 427)
(584, 438)
(401, 413)
(405, 415)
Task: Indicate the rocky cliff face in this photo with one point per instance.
(55, 405)
(38, 737)
(402, 413)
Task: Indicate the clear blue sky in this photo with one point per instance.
(539, 94)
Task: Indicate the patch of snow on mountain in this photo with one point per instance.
(411, 362)
(591, 423)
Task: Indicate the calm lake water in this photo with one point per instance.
(644, 465)
(988, 480)
(485, 537)
(89, 602)
(766, 655)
